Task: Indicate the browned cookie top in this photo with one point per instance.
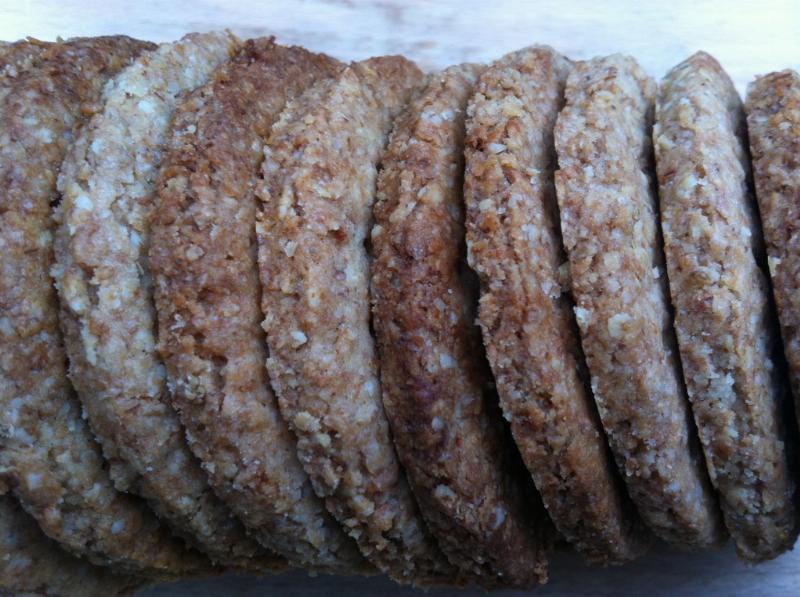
(47, 453)
(722, 310)
(316, 202)
(773, 123)
(30, 563)
(514, 244)
(445, 421)
(610, 227)
(203, 255)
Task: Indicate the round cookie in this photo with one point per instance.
(449, 434)
(30, 563)
(315, 207)
(773, 124)
(107, 184)
(723, 317)
(48, 456)
(610, 229)
(514, 244)
(203, 257)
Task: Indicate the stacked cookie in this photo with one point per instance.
(262, 309)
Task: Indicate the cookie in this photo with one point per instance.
(609, 223)
(723, 320)
(449, 434)
(514, 244)
(48, 456)
(107, 184)
(203, 257)
(320, 167)
(31, 563)
(773, 124)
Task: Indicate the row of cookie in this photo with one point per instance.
(313, 214)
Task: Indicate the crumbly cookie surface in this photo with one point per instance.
(17, 57)
(447, 428)
(514, 244)
(319, 172)
(107, 184)
(610, 231)
(30, 563)
(203, 256)
(773, 123)
(47, 453)
(722, 309)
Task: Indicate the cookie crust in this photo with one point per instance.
(609, 224)
(722, 309)
(514, 244)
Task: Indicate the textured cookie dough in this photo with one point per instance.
(514, 244)
(48, 456)
(773, 123)
(610, 230)
(203, 256)
(30, 563)
(723, 321)
(448, 430)
(316, 200)
(107, 183)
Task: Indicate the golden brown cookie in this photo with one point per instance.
(723, 320)
(48, 456)
(315, 209)
(514, 244)
(203, 256)
(449, 433)
(30, 563)
(107, 184)
(609, 223)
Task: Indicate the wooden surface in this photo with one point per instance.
(748, 37)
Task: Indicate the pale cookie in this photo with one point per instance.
(723, 317)
(107, 184)
(609, 224)
(48, 456)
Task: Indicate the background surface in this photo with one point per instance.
(748, 37)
